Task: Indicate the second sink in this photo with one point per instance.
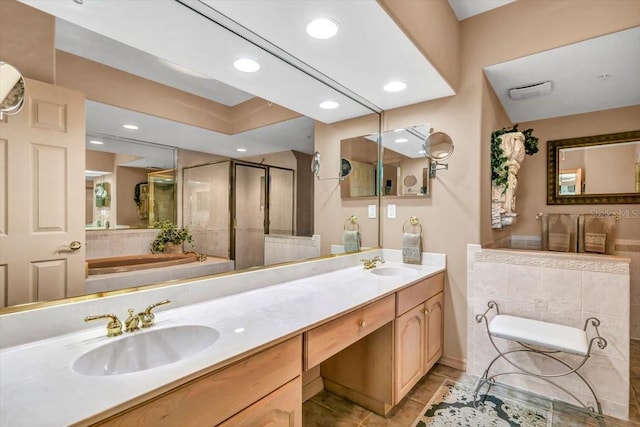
(391, 271)
(146, 350)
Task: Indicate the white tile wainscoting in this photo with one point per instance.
(560, 288)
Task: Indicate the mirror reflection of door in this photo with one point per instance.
(43, 156)
(250, 207)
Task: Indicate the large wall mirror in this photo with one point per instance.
(405, 168)
(123, 163)
(600, 169)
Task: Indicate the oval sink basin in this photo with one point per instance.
(146, 350)
(391, 271)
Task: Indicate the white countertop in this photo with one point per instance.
(39, 388)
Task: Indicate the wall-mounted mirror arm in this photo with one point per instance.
(437, 146)
(345, 168)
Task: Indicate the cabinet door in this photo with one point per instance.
(409, 349)
(282, 408)
(434, 329)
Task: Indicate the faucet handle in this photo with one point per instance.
(147, 317)
(114, 327)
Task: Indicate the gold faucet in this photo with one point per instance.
(371, 263)
(132, 322)
(114, 327)
(147, 317)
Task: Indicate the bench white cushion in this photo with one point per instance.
(544, 334)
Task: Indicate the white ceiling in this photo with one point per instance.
(467, 8)
(593, 75)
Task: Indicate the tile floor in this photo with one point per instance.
(328, 410)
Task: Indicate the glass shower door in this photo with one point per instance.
(249, 221)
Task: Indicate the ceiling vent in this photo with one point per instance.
(530, 91)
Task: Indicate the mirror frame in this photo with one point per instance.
(553, 150)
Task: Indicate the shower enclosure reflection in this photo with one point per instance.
(229, 207)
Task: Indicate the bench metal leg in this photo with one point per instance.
(491, 379)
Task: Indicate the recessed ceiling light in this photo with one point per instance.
(329, 105)
(421, 152)
(401, 140)
(395, 86)
(130, 127)
(322, 28)
(246, 65)
(93, 141)
(241, 150)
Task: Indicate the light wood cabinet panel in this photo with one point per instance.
(434, 317)
(418, 293)
(282, 408)
(324, 341)
(409, 350)
(212, 398)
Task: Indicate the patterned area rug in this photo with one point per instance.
(452, 405)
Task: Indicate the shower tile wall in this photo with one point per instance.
(560, 288)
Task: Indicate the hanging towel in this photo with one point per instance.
(351, 240)
(411, 248)
(559, 232)
(596, 230)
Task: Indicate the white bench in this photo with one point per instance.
(543, 338)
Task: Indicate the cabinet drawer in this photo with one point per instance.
(213, 398)
(416, 294)
(326, 340)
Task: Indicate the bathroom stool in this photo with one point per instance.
(542, 338)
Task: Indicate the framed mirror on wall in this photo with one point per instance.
(405, 169)
(599, 169)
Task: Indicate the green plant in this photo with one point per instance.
(169, 233)
(499, 168)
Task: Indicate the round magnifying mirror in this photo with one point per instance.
(11, 89)
(438, 146)
(345, 168)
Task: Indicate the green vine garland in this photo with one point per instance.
(136, 193)
(499, 168)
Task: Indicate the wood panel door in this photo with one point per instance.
(409, 350)
(434, 317)
(42, 196)
(282, 408)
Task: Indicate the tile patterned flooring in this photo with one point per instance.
(328, 410)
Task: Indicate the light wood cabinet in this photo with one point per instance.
(410, 346)
(237, 389)
(324, 341)
(282, 408)
(434, 329)
(378, 370)
(418, 343)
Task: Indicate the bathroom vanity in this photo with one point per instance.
(342, 317)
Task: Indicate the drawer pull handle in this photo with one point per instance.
(363, 324)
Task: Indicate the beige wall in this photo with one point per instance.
(126, 209)
(27, 40)
(458, 211)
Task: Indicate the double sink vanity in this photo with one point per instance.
(222, 357)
